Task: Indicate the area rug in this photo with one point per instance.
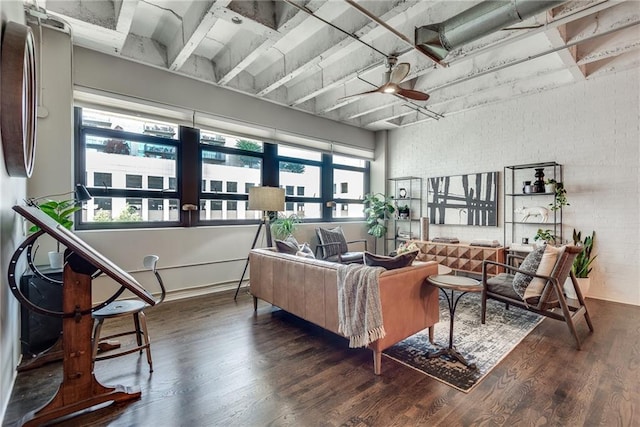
(485, 345)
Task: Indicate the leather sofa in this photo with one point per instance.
(308, 288)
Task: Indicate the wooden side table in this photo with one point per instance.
(462, 285)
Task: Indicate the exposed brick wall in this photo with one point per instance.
(591, 128)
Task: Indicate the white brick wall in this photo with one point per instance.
(591, 128)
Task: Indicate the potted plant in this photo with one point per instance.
(61, 212)
(582, 264)
(378, 208)
(550, 185)
(403, 212)
(284, 226)
(545, 236)
(559, 195)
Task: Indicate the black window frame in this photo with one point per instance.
(189, 155)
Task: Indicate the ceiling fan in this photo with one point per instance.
(394, 75)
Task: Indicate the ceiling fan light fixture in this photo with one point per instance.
(389, 89)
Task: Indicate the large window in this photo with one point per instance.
(144, 172)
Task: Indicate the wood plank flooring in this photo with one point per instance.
(218, 364)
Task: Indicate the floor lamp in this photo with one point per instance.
(265, 199)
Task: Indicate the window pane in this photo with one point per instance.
(304, 210)
(231, 175)
(226, 209)
(104, 119)
(125, 169)
(348, 210)
(307, 181)
(349, 161)
(213, 139)
(351, 184)
(299, 153)
(119, 209)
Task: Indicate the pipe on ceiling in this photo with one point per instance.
(437, 40)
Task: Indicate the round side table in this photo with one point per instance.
(453, 284)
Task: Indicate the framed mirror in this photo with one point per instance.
(18, 103)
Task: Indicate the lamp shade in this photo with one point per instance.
(266, 199)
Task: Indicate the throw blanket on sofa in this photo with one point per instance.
(359, 307)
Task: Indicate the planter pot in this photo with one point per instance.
(549, 188)
(56, 259)
(583, 282)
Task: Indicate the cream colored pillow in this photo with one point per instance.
(549, 259)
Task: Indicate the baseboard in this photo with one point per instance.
(204, 290)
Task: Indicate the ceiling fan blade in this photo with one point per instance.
(361, 93)
(412, 94)
(400, 72)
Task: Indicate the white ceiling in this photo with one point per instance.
(287, 55)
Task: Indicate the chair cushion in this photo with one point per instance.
(545, 268)
(346, 258)
(288, 246)
(334, 235)
(390, 263)
(530, 265)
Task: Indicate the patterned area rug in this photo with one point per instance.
(485, 345)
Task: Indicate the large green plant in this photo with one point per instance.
(284, 226)
(582, 264)
(378, 208)
(60, 211)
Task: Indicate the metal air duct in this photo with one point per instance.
(437, 40)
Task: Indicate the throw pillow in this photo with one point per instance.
(334, 235)
(407, 247)
(530, 265)
(288, 246)
(548, 262)
(305, 251)
(390, 263)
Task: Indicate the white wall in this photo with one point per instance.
(12, 191)
(591, 128)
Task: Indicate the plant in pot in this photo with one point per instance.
(403, 212)
(559, 196)
(61, 212)
(378, 209)
(545, 236)
(582, 264)
(284, 226)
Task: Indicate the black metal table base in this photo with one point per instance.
(450, 351)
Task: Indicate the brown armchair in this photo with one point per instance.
(550, 301)
(334, 247)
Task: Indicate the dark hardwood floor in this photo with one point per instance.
(218, 364)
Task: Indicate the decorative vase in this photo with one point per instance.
(56, 260)
(538, 185)
(526, 187)
(550, 188)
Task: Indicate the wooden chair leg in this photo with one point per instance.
(431, 334)
(147, 340)
(136, 323)
(96, 338)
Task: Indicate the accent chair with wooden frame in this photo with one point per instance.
(333, 246)
(551, 302)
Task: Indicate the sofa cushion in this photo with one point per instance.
(333, 235)
(288, 246)
(390, 263)
(530, 265)
(305, 251)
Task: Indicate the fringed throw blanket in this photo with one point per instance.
(359, 307)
